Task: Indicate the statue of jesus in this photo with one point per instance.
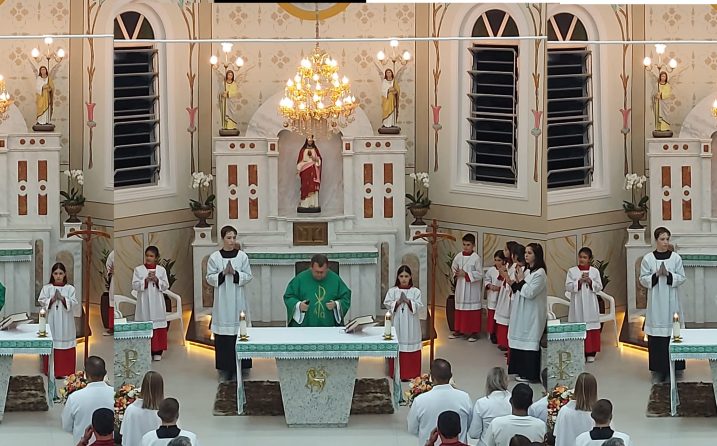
(317, 297)
(308, 166)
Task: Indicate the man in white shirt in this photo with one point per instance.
(601, 433)
(169, 414)
(539, 409)
(423, 416)
(81, 404)
(502, 429)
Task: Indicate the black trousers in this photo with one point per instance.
(225, 354)
(658, 348)
(525, 364)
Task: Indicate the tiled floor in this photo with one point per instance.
(190, 376)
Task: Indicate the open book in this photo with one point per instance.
(14, 320)
(357, 324)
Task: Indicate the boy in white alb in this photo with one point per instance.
(602, 432)
(150, 282)
(468, 271)
(493, 282)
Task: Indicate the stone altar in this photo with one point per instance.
(132, 354)
(566, 354)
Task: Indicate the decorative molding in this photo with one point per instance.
(232, 183)
(92, 8)
(368, 185)
(536, 15)
(438, 14)
(189, 14)
(388, 190)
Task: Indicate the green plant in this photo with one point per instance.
(419, 198)
(202, 183)
(103, 269)
(601, 266)
(168, 264)
(449, 268)
(73, 194)
(633, 183)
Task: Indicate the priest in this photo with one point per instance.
(317, 297)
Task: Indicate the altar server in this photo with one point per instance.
(404, 302)
(528, 316)
(575, 417)
(81, 404)
(60, 301)
(583, 283)
(495, 403)
(150, 282)
(141, 416)
(169, 414)
(228, 271)
(110, 271)
(602, 432)
(493, 282)
(661, 272)
(513, 252)
(468, 270)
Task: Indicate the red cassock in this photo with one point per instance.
(310, 173)
(159, 340)
(410, 363)
(592, 342)
(64, 362)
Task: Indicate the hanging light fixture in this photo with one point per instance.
(317, 100)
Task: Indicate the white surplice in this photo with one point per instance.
(229, 297)
(583, 298)
(137, 422)
(502, 429)
(423, 416)
(662, 299)
(585, 440)
(468, 291)
(150, 297)
(505, 298)
(492, 406)
(60, 319)
(571, 423)
(491, 278)
(539, 409)
(151, 439)
(405, 319)
(110, 266)
(81, 404)
(529, 312)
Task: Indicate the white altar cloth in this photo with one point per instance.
(696, 344)
(316, 343)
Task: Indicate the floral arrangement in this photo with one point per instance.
(73, 195)
(421, 183)
(124, 396)
(559, 397)
(74, 382)
(634, 183)
(418, 385)
(202, 183)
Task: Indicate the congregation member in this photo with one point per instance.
(426, 408)
(503, 429)
(583, 282)
(615, 442)
(150, 282)
(110, 272)
(447, 431)
(662, 272)
(602, 432)
(493, 283)
(58, 298)
(520, 440)
(575, 417)
(514, 253)
(467, 270)
(169, 414)
(228, 272)
(539, 409)
(528, 316)
(404, 302)
(180, 441)
(102, 429)
(495, 403)
(81, 404)
(141, 416)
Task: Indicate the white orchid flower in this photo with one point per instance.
(67, 173)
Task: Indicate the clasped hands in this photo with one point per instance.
(228, 270)
(152, 277)
(585, 278)
(402, 300)
(304, 305)
(662, 271)
(57, 297)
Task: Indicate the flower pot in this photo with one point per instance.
(72, 210)
(636, 215)
(202, 213)
(418, 213)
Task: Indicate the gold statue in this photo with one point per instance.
(664, 92)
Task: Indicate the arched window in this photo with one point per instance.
(136, 103)
(494, 100)
(570, 102)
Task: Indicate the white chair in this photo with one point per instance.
(172, 316)
(552, 301)
(609, 314)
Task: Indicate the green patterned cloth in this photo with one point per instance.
(304, 287)
(2, 296)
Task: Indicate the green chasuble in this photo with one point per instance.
(2, 295)
(304, 287)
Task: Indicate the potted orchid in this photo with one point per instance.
(418, 202)
(636, 209)
(73, 200)
(203, 206)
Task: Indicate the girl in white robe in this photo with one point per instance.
(59, 300)
(661, 272)
(583, 282)
(575, 417)
(468, 271)
(528, 316)
(228, 270)
(141, 416)
(404, 302)
(493, 282)
(495, 403)
(514, 252)
(150, 282)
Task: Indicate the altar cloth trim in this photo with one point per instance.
(15, 255)
(703, 260)
(318, 355)
(9, 351)
(346, 258)
(133, 326)
(566, 336)
(134, 334)
(566, 328)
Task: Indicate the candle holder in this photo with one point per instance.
(244, 338)
(41, 334)
(676, 339)
(388, 337)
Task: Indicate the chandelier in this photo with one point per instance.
(5, 101)
(317, 100)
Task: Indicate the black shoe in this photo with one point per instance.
(493, 338)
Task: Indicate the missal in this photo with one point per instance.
(14, 320)
(358, 323)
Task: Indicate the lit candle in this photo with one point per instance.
(242, 324)
(42, 322)
(676, 326)
(387, 325)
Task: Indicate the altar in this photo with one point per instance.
(317, 369)
(696, 344)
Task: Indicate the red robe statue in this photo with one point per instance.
(308, 165)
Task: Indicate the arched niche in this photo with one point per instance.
(699, 122)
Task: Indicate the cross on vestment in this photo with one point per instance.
(433, 237)
(87, 235)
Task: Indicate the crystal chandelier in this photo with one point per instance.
(317, 100)
(5, 101)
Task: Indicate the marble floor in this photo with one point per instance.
(190, 376)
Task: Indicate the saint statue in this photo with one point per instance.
(390, 93)
(44, 96)
(308, 166)
(664, 92)
(230, 102)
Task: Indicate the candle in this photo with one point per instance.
(676, 326)
(42, 322)
(242, 324)
(387, 325)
